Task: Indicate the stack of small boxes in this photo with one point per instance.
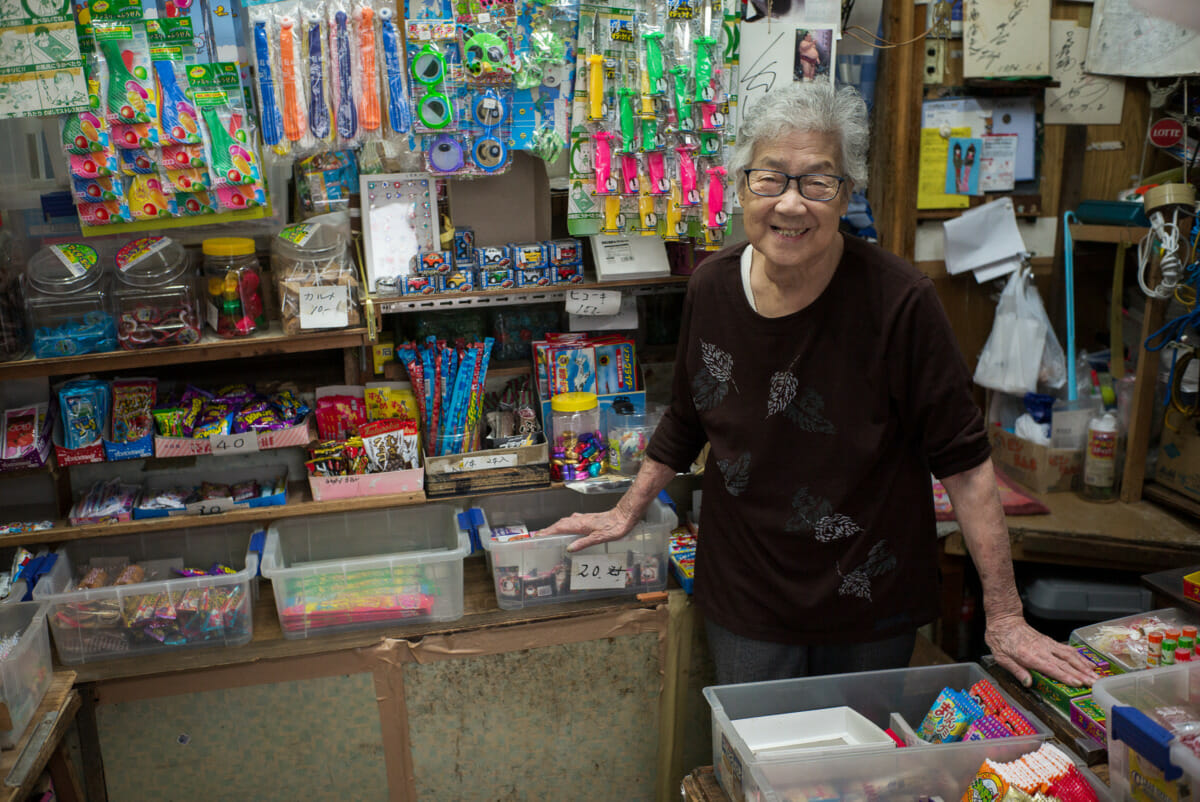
(1077, 703)
(518, 264)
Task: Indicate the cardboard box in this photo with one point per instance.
(1179, 461)
(1057, 693)
(1040, 468)
(325, 488)
(1089, 717)
(298, 435)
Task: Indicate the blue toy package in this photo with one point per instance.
(527, 255)
(536, 277)
(84, 409)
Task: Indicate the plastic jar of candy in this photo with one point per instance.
(316, 280)
(578, 449)
(233, 287)
(629, 433)
(157, 300)
(69, 301)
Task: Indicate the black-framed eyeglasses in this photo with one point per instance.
(812, 186)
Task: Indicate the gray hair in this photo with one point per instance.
(805, 107)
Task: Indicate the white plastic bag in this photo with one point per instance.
(1022, 346)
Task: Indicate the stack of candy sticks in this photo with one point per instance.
(448, 379)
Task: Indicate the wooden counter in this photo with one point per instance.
(42, 748)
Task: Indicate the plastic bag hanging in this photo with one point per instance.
(1012, 357)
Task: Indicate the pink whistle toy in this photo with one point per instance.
(602, 162)
(710, 118)
(716, 197)
(656, 166)
(629, 173)
(687, 176)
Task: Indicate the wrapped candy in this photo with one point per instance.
(948, 719)
(84, 406)
(133, 400)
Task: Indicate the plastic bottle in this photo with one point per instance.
(1100, 459)
(1154, 649)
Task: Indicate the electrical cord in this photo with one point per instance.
(1168, 236)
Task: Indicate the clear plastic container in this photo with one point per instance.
(578, 448)
(233, 304)
(629, 433)
(13, 337)
(1146, 760)
(164, 612)
(906, 774)
(355, 570)
(898, 698)
(157, 299)
(1122, 640)
(540, 570)
(69, 300)
(315, 255)
(25, 674)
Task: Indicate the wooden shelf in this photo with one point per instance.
(270, 343)
(521, 295)
(479, 610)
(299, 503)
(1129, 234)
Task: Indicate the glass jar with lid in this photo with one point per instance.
(316, 280)
(233, 287)
(157, 299)
(578, 448)
(69, 301)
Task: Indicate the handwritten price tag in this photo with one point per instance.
(481, 462)
(210, 506)
(593, 302)
(324, 307)
(244, 443)
(597, 572)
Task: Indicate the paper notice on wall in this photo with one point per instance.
(1006, 38)
(41, 69)
(931, 173)
(1082, 98)
(983, 238)
(998, 162)
(1126, 41)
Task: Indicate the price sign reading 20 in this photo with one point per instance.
(597, 572)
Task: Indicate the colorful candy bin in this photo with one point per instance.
(26, 672)
(1146, 761)
(896, 699)
(539, 570)
(164, 612)
(346, 571)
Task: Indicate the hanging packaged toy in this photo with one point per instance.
(432, 50)
(399, 118)
(487, 52)
(370, 116)
(345, 71)
(229, 137)
(267, 69)
(178, 118)
(126, 72)
(319, 109)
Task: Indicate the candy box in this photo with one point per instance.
(527, 255)
(164, 612)
(534, 277)
(564, 252)
(566, 274)
(1191, 586)
(1057, 693)
(1088, 716)
(457, 281)
(498, 278)
(487, 258)
(26, 436)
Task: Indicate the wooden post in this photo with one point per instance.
(1141, 413)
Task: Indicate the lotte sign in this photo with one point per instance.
(1166, 133)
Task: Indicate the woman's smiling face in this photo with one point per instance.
(789, 230)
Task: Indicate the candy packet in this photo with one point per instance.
(132, 402)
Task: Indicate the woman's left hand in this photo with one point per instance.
(1019, 647)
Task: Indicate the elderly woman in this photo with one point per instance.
(825, 375)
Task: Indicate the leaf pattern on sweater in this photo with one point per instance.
(783, 390)
(808, 412)
(857, 583)
(736, 473)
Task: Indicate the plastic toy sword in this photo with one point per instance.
(370, 94)
(398, 114)
(318, 108)
(293, 127)
(347, 117)
(272, 121)
(596, 74)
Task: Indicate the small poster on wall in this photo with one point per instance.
(963, 166)
(41, 70)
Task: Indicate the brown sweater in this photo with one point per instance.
(817, 521)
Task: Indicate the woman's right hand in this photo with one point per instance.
(595, 527)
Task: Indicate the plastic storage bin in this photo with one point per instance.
(1146, 761)
(339, 572)
(900, 774)
(1127, 655)
(539, 570)
(69, 301)
(315, 255)
(165, 612)
(157, 300)
(25, 674)
(908, 693)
